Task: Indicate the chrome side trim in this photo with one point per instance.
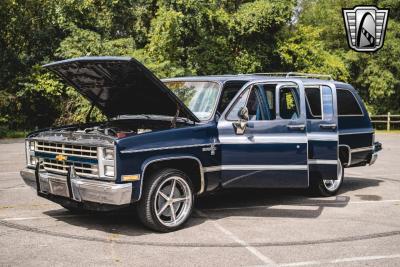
(362, 149)
(322, 137)
(358, 132)
(202, 183)
(263, 139)
(212, 169)
(162, 148)
(322, 161)
(256, 168)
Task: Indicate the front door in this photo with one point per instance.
(322, 130)
(271, 152)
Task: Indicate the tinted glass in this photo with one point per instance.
(254, 106)
(228, 93)
(347, 104)
(314, 102)
(240, 102)
(288, 108)
(269, 95)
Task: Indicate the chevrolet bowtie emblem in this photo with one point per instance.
(61, 158)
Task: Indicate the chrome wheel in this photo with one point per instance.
(333, 185)
(173, 201)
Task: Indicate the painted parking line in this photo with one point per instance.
(15, 188)
(8, 173)
(243, 243)
(340, 261)
(306, 203)
(43, 217)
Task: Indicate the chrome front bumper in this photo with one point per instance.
(374, 157)
(80, 190)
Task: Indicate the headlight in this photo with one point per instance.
(31, 145)
(109, 171)
(30, 150)
(108, 153)
(106, 161)
(33, 160)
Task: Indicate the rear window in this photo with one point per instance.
(347, 103)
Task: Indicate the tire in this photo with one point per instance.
(327, 188)
(161, 210)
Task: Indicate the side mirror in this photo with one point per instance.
(244, 114)
(240, 125)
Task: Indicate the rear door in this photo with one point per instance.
(322, 130)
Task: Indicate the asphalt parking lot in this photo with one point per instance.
(359, 227)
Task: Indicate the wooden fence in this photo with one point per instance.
(390, 120)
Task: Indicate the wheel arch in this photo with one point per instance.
(196, 175)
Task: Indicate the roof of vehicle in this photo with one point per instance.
(254, 77)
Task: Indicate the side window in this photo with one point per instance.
(251, 99)
(268, 92)
(347, 104)
(254, 106)
(228, 93)
(313, 95)
(240, 102)
(320, 103)
(288, 104)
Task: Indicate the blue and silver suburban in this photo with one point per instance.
(164, 142)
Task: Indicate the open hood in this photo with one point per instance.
(120, 86)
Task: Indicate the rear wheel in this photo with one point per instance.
(328, 187)
(167, 200)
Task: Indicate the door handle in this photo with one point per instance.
(328, 126)
(299, 127)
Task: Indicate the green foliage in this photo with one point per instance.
(182, 37)
(304, 51)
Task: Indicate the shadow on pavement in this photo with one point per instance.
(225, 203)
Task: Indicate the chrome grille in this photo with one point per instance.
(61, 167)
(67, 149)
(81, 169)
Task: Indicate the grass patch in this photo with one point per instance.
(7, 133)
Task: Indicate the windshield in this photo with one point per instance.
(199, 97)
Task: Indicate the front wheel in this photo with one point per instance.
(328, 187)
(167, 200)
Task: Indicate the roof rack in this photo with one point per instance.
(296, 75)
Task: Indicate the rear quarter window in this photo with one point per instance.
(347, 103)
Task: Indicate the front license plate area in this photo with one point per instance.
(59, 188)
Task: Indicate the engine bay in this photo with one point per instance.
(119, 128)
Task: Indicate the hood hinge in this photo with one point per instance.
(173, 121)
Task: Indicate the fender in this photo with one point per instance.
(151, 160)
